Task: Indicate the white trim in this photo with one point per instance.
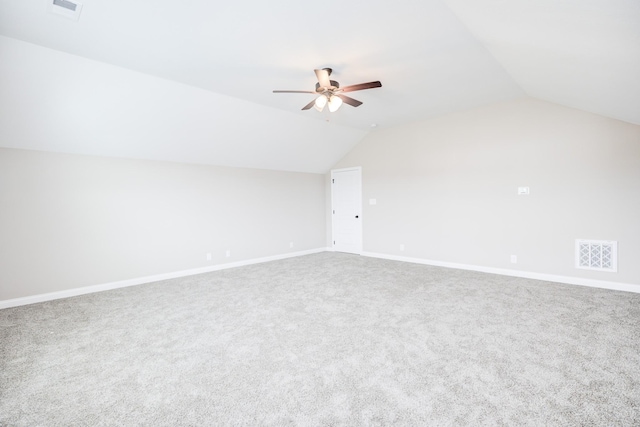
(628, 287)
(348, 169)
(333, 237)
(15, 302)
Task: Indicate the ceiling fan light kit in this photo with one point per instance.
(331, 93)
(320, 102)
(334, 103)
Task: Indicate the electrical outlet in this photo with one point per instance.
(290, 244)
(208, 256)
(514, 259)
(402, 246)
(228, 252)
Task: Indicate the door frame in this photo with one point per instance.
(333, 236)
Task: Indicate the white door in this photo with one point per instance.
(346, 208)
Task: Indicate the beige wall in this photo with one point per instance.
(69, 221)
(447, 188)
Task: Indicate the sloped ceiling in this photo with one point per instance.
(581, 54)
(192, 81)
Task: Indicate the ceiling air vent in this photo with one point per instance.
(67, 8)
(599, 255)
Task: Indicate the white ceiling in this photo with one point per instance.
(192, 81)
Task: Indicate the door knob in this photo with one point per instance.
(356, 216)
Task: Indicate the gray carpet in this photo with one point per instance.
(326, 339)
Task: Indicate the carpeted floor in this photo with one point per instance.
(326, 339)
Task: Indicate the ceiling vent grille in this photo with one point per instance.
(601, 255)
(67, 8)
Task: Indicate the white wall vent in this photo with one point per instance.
(68, 8)
(601, 255)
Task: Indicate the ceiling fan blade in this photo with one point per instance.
(292, 91)
(350, 101)
(309, 105)
(361, 86)
(323, 78)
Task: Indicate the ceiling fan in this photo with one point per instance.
(330, 93)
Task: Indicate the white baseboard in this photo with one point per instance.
(147, 279)
(628, 287)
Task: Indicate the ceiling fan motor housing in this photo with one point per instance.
(334, 85)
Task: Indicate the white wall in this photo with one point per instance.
(447, 188)
(69, 221)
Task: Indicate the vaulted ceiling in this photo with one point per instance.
(192, 81)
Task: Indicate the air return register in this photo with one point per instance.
(67, 8)
(601, 255)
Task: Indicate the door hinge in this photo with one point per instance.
(334, 212)
(333, 181)
(334, 242)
